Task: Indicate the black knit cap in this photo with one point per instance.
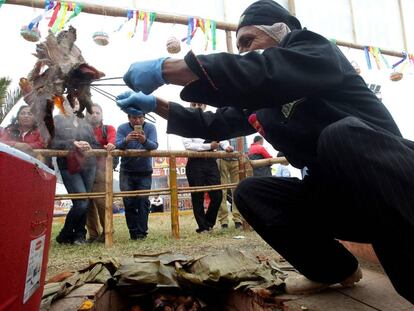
(267, 12)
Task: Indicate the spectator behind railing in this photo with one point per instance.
(77, 170)
(257, 152)
(136, 172)
(105, 136)
(204, 172)
(22, 133)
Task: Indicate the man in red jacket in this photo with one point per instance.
(257, 152)
(105, 135)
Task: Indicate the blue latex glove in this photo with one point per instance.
(145, 76)
(136, 101)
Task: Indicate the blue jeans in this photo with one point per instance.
(136, 208)
(81, 182)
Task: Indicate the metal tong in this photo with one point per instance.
(97, 87)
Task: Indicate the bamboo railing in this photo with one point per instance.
(173, 190)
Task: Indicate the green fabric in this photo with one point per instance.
(205, 276)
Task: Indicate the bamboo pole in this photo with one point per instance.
(292, 7)
(141, 153)
(121, 12)
(142, 193)
(351, 8)
(109, 197)
(175, 225)
(267, 162)
(404, 33)
(171, 19)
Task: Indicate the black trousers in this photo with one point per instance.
(204, 172)
(362, 191)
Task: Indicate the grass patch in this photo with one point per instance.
(68, 257)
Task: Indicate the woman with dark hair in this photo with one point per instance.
(23, 133)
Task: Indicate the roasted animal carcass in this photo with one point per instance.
(60, 69)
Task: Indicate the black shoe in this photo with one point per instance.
(224, 226)
(137, 236)
(206, 230)
(238, 225)
(63, 240)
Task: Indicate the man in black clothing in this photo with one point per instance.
(303, 96)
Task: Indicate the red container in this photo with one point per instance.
(27, 189)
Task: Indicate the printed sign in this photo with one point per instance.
(34, 267)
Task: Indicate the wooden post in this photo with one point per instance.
(109, 196)
(404, 33)
(292, 7)
(229, 41)
(351, 8)
(175, 225)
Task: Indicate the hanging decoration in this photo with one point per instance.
(151, 18)
(376, 54)
(129, 16)
(207, 27)
(101, 38)
(397, 75)
(173, 45)
(147, 18)
(76, 8)
(32, 35)
(31, 32)
(367, 58)
(60, 16)
(57, 21)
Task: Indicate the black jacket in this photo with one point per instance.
(296, 90)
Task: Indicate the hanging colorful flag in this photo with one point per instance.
(54, 15)
(77, 8)
(49, 5)
(136, 23)
(374, 52)
(130, 14)
(152, 17)
(145, 28)
(400, 61)
(366, 50)
(213, 34)
(383, 58)
(63, 16)
(189, 30)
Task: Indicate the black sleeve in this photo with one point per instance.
(304, 64)
(225, 123)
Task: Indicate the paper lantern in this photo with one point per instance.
(32, 35)
(101, 38)
(173, 45)
(396, 76)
